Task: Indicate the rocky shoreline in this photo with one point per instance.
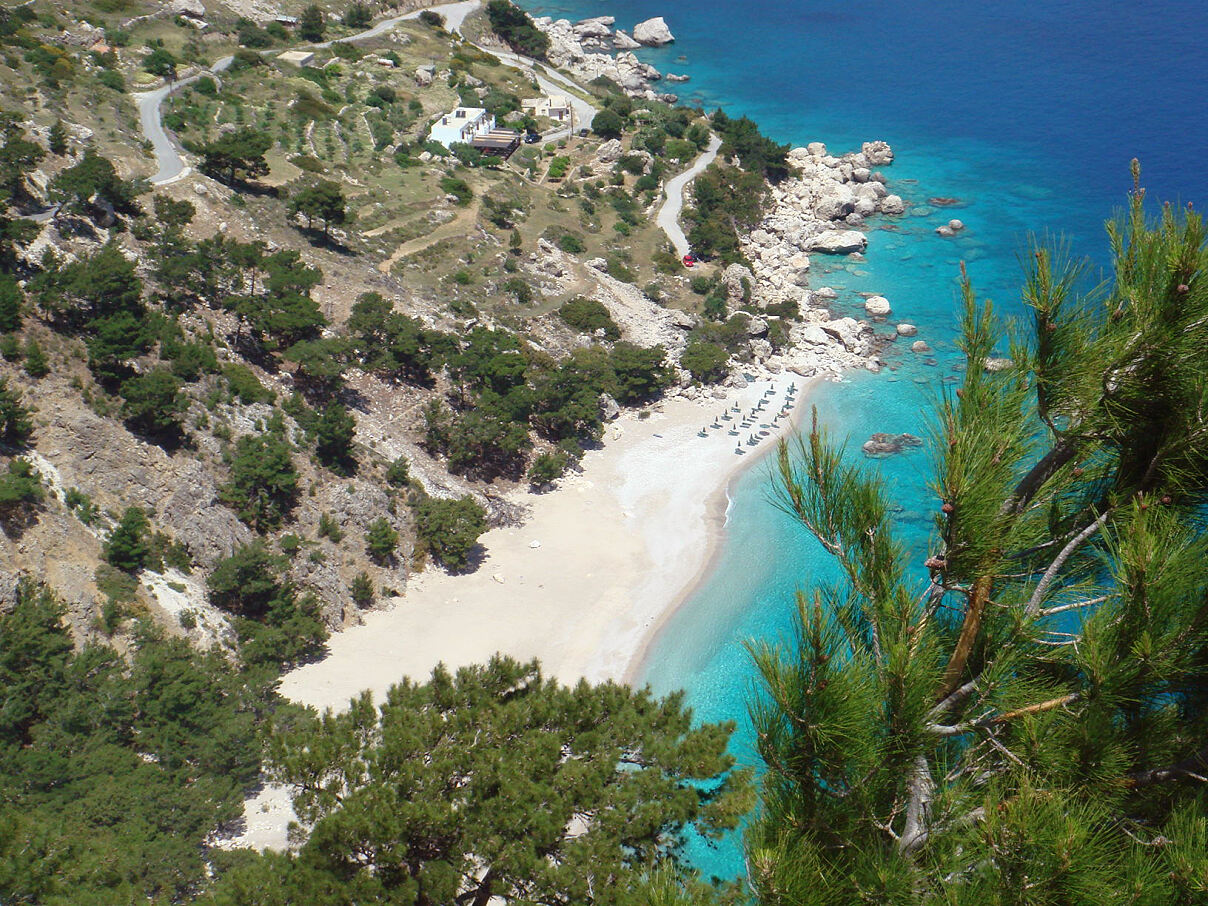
(590, 49)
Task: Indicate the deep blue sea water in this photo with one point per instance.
(1027, 112)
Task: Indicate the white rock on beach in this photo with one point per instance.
(653, 32)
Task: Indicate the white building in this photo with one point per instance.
(554, 106)
(462, 126)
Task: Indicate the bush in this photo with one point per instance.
(547, 468)
(244, 384)
(558, 167)
(588, 316)
(458, 188)
(449, 529)
(705, 361)
(20, 488)
(571, 244)
(361, 590)
(398, 473)
(701, 284)
(381, 540)
(431, 19)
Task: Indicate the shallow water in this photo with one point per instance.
(1027, 113)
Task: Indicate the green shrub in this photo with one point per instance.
(458, 188)
(588, 316)
(705, 361)
(126, 548)
(449, 529)
(547, 468)
(381, 540)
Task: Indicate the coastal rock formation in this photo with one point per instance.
(622, 41)
(653, 32)
(907, 330)
(881, 444)
(583, 50)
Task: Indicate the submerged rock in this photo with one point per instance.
(881, 444)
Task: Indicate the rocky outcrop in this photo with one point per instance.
(584, 49)
(653, 32)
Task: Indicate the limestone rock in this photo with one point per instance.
(598, 264)
(609, 408)
(597, 27)
(878, 153)
(193, 8)
(892, 204)
(622, 41)
(423, 76)
(653, 32)
(907, 330)
(757, 327)
(877, 306)
(610, 151)
(920, 347)
(839, 242)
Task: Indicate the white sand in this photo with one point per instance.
(619, 546)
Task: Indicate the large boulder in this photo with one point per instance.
(839, 242)
(622, 41)
(849, 332)
(599, 27)
(877, 306)
(193, 8)
(892, 204)
(610, 151)
(653, 32)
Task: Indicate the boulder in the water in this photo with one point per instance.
(881, 444)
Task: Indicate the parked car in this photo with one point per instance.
(531, 138)
(690, 260)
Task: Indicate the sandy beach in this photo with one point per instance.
(584, 585)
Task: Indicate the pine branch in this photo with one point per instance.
(1193, 768)
(1050, 574)
(964, 643)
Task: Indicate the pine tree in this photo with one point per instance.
(311, 24)
(11, 298)
(56, 141)
(35, 363)
(127, 547)
(494, 784)
(1026, 724)
(381, 540)
(16, 424)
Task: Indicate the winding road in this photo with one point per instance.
(669, 214)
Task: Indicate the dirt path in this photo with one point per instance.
(459, 225)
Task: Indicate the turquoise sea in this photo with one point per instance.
(1029, 113)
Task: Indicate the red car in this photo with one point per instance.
(690, 260)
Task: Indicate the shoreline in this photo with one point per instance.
(586, 585)
(716, 519)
